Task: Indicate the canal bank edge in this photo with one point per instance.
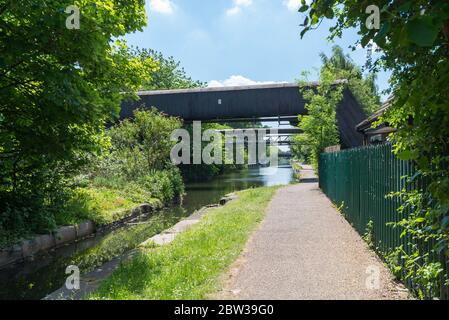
(89, 282)
(63, 236)
(296, 167)
(170, 234)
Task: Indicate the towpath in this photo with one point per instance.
(305, 249)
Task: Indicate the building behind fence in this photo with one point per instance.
(357, 181)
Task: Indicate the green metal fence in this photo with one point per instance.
(358, 180)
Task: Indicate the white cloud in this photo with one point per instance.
(162, 6)
(233, 11)
(293, 5)
(243, 3)
(238, 80)
(237, 8)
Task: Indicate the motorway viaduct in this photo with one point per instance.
(247, 103)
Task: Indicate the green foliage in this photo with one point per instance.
(319, 126)
(168, 75)
(419, 266)
(369, 234)
(134, 168)
(414, 41)
(393, 260)
(296, 167)
(425, 221)
(57, 89)
(141, 143)
(139, 157)
(301, 148)
(165, 185)
(363, 88)
(105, 205)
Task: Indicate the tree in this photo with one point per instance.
(363, 88)
(413, 42)
(168, 75)
(58, 87)
(143, 142)
(319, 126)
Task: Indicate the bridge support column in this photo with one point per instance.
(257, 146)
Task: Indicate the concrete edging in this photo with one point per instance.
(90, 281)
(62, 236)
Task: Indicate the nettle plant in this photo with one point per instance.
(411, 40)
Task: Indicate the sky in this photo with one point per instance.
(240, 42)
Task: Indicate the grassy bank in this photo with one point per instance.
(100, 204)
(191, 266)
(104, 205)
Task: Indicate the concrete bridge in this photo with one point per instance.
(271, 102)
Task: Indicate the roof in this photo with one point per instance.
(366, 124)
(233, 88)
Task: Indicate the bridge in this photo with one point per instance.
(269, 102)
(272, 136)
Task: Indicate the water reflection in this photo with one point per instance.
(36, 279)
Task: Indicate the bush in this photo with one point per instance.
(165, 185)
(136, 169)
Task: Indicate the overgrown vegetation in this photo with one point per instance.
(59, 88)
(169, 73)
(368, 236)
(364, 88)
(137, 166)
(133, 168)
(413, 42)
(319, 126)
(190, 267)
(296, 167)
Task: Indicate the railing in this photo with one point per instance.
(357, 181)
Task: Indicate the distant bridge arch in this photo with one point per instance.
(269, 102)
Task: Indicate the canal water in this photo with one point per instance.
(35, 279)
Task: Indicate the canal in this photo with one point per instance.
(35, 279)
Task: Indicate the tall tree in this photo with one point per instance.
(363, 87)
(320, 125)
(58, 86)
(169, 73)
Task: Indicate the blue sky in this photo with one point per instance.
(229, 42)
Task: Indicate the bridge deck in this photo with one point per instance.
(223, 104)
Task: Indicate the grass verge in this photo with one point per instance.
(190, 267)
(104, 205)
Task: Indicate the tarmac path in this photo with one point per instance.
(305, 249)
